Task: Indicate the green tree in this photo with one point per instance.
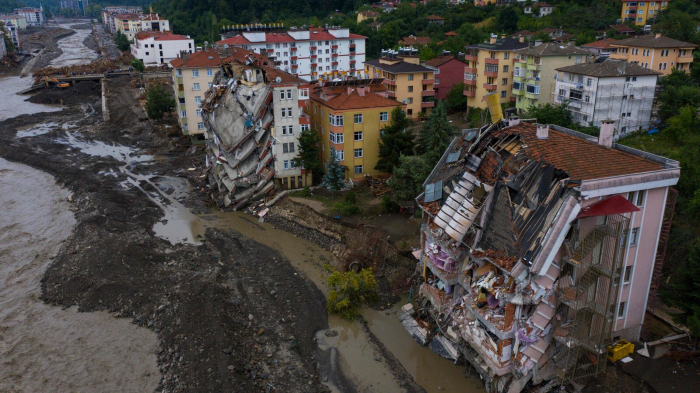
(436, 135)
(507, 20)
(677, 24)
(138, 65)
(308, 156)
(409, 175)
(159, 102)
(552, 114)
(349, 290)
(394, 141)
(456, 101)
(682, 125)
(9, 45)
(334, 178)
(684, 292)
(673, 98)
(122, 41)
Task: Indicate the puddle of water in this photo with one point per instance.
(36, 129)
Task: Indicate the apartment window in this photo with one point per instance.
(506, 56)
(198, 100)
(339, 155)
(286, 164)
(199, 113)
(194, 72)
(409, 112)
(336, 138)
(284, 130)
(289, 94)
(628, 275)
(587, 98)
(621, 309)
(358, 135)
(532, 89)
(504, 81)
(200, 126)
(589, 82)
(303, 93)
(410, 77)
(291, 163)
(562, 92)
(409, 100)
(335, 120)
(210, 72)
(183, 113)
(282, 95)
(358, 153)
(425, 75)
(505, 68)
(304, 127)
(437, 82)
(178, 73)
(634, 236)
(410, 88)
(358, 118)
(195, 86)
(640, 198)
(503, 94)
(290, 130)
(575, 94)
(384, 116)
(358, 169)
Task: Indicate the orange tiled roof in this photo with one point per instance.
(604, 43)
(355, 101)
(580, 158)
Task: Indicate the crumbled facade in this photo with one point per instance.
(238, 116)
(532, 237)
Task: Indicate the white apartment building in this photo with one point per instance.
(11, 29)
(193, 74)
(611, 90)
(153, 22)
(109, 14)
(311, 54)
(18, 21)
(34, 16)
(156, 48)
(290, 97)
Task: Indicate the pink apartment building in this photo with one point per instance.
(448, 72)
(539, 248)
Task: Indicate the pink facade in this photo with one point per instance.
(448, 73)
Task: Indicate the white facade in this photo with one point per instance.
(628, 100)
(11, 29)
(290, 119)
(308, 54)
(34, 16)
(160, 49)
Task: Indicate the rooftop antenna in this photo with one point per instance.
(206, 43)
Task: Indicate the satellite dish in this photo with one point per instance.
(225, 46)
(278, 80)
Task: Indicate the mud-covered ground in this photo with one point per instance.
(230, 314)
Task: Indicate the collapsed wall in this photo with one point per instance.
(238, 120)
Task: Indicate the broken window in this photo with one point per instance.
(575, 94)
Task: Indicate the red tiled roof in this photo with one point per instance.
(353, 100)
(616, 204)
(450, 34)
(622, 28)
(604, 43)
(435, 17)
(438, 61)
(171, 37)
(580, 158)
(201, 59)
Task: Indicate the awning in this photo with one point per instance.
(616, 204)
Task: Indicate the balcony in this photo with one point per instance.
(295, 66)
(492, 74)
(270, 50)
(427, 93)
(313, 48)
(294, 58)
(429, 81)
(513, 99)
(468, 93)
(491, 61)
(470, 70)
(534, 66)
(429, 104)
(490, 87)
(437, 297)
(352, 46)
(391, 94)
(390, 82)
(335, 63)
(334, 54)
(293, 49)
(470, 57)
(352, 62)
(448, 273)
(334, 46)
(685, 59)
(314, 56)
(470, 82)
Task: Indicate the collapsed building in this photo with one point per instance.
(238, 117)
(532, 238)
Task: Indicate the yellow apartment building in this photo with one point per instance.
(408, 82)
(348, 117)
(489, 68)
(364, 15)
(128, 24)
(640, 12)
(655, 52)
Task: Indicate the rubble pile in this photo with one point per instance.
(96, 67)
(238, 118)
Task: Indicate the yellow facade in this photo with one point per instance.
(368, 145)
(662, 60)
(365, 16)
(415, 90)
(128, 27)
(487, 71)
(641, 11)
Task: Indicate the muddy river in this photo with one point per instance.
(46, 348)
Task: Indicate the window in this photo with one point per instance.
(532, 89)
(194, 72)
(358, 135)
(281, 94)
(518, 85)
(198, 100)
(634, 236)
(410, 88)
(195, 86)
(410, 77)
(339, 155)
(437, 82)
(506, 56)
(209, 85)
(336, 138)
(304, 127)
(640, 198)
(409, 112)
(178, 73)
(621, 309)
(575, 94)
(210, 72)
(286, 164)
(290, 130)
(303, 93)
(284, 148)
(289, 94)
(335, 120)
(358, 169)
(505, 68)
(587, 98)
(589, 82)
(358, 153)
(562, 92)
(504, 81)
(183, 113)
(284, 130)
(503, 94)
(409, 100)
(199, 112)
(358, 118)
(291, 163)
(384, 116)
(200, 126)
(628, 275)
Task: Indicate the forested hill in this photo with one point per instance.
(200, 18)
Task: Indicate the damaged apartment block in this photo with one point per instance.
(238, 118)
(532, 236)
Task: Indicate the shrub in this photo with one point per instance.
(349, 290)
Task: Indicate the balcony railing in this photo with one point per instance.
(491, 61)
(490, 87)
(429, 81)
(427, 93)
(429, 104)
(468, 93)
